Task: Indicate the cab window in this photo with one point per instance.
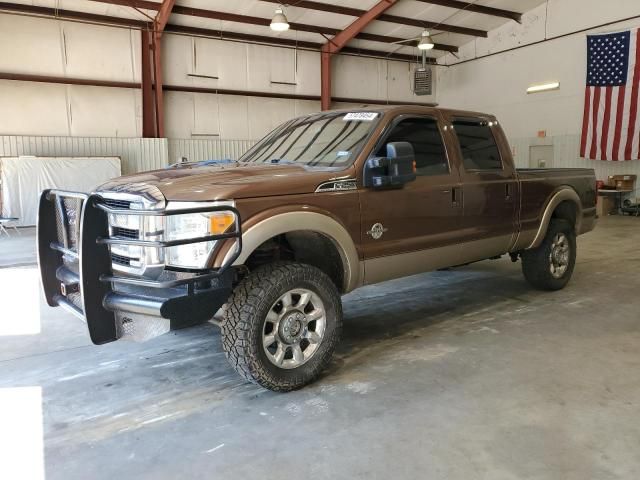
(478, 145)
(423, 134)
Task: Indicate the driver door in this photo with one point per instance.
(403, 228)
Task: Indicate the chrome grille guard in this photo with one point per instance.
(76, 266)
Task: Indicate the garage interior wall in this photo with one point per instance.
(498, 83)
(50, 47)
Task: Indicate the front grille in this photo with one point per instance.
(67, 221)
(122, 232)
(119, 204)
(122, 260)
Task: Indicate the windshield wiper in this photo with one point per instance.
(281, 161)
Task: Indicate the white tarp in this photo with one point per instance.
(23, 178)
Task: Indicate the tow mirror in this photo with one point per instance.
(394, 170)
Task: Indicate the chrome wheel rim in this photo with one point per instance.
(294, 328)
(559, 256)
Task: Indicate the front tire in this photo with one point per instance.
(281, 325)
(550, 266)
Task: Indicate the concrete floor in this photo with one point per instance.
(462, 374)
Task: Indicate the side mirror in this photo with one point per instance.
(394, 170)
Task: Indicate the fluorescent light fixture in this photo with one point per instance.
(544, 87)
(279, 23)
(426, 42)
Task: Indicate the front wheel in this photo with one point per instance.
(550, 266)
(281, 325)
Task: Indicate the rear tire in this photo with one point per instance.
(550, 266)
(281, 325)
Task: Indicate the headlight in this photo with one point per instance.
(194, 225)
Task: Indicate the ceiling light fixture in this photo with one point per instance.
(426, 42)
(279, 23)
(543, 87)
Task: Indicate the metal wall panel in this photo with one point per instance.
(566, 152)
(137, 154)
(198, 150)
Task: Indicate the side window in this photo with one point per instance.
(424, 136)
(478, 145)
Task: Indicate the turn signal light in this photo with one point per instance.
(220, 222)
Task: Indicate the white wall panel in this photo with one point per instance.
(267, 65)
(199, 150)
(30, 45)
(225, 60)
(234, 116)
(207, 114)
(498, 83)
(308, 72)
(566, 150)
(99, 53)
(57, 48)
(27, 107)
(306, 107)
(359, 77)
(96, 111)
(177, 60)
(179, 114)
(267, 113)
(137, 154)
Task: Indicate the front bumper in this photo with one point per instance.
(76, 269)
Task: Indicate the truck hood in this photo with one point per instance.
(228, 181)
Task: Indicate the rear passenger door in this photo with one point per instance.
(489, 185)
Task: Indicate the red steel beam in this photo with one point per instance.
(191, 89)
(142, 4)
(160, 22)
(474, 7)
(148, 100)
(163, 15)
(339, 41)
(71, 15)
(27, 77)
(356, 12)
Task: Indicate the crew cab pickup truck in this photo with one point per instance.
(324, 204)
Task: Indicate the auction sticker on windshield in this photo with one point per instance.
(360, 116)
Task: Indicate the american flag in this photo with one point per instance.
(611, 121)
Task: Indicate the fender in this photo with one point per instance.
(281, 223)
(566, 193)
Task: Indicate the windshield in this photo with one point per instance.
(325, 140)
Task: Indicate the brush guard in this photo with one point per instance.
(76, 270)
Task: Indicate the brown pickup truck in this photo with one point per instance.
(324, 204)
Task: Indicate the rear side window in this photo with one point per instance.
(423, 134)
(478, 145)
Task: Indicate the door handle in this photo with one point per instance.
(507, 191)
(454, 192)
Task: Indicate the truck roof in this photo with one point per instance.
(409, 108)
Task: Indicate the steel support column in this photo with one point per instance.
(157, 76)
(148, 101)
(340, 40)
(159, 23)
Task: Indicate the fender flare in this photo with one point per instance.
(281, 223)
(564, 194)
